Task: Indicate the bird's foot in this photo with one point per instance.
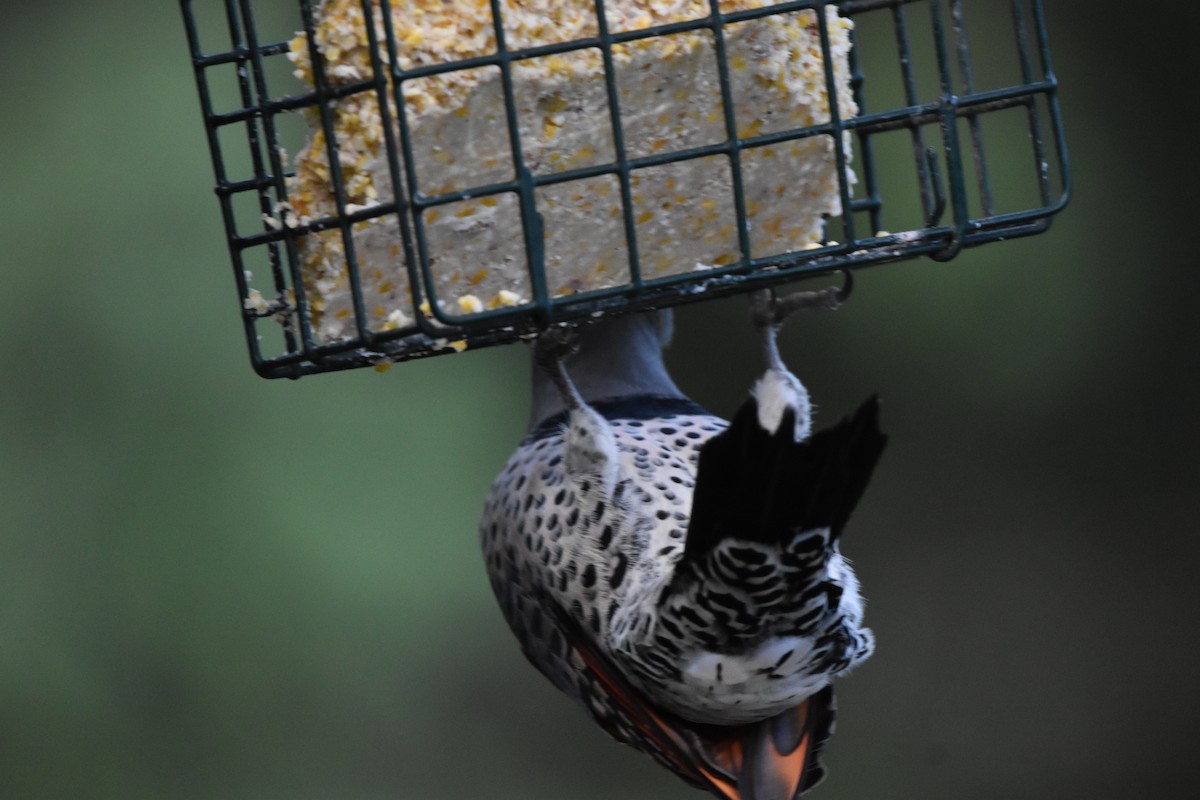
(551, 347)
(769, 310)
(555, 344)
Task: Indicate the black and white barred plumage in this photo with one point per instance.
(680, 575)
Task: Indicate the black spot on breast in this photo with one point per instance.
(606, 537)
(588, 579)
(618, 573)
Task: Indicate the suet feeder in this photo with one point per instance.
(388, 195)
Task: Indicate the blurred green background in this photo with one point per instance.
(216, 586)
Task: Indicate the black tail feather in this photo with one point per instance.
(758, 486)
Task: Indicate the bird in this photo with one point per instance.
(679, 575)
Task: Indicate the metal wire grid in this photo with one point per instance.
(932, 129)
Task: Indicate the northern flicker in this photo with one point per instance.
(679, 575)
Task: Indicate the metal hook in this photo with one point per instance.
(847, 286)
(939, 208)
(935, 186)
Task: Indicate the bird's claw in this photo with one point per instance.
(555, 344)
(769, 310)
(550, 349)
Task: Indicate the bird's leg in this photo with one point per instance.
(591, 448)
(768, 311)
(552, 347)
(779, 392)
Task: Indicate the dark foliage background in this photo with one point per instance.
(213, 586)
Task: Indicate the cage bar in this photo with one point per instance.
(956, 141)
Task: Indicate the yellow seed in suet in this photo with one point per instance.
(470, 304)
(507, 298)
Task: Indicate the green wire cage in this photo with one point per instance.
(946, 111)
